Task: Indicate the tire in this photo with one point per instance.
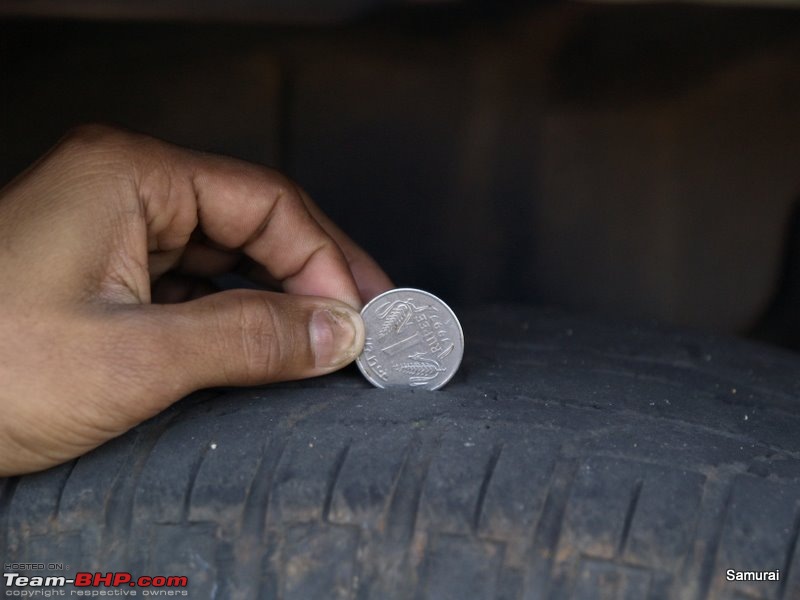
(569, 459)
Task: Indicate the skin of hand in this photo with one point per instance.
(109, 220)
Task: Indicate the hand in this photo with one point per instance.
(108, 218)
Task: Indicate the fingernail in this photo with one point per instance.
(334, 337)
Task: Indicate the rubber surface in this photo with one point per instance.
(569, 459)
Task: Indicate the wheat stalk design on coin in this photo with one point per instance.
(397, 314)
(420, 370)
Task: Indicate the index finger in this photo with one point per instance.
(242, 206)
(370, 278)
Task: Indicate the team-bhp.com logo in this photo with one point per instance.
(94, 584)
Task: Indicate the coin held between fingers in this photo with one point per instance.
(413, 339)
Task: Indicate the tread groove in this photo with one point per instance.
(709, 561)
(403, 511)
(248, 564)
(63, 487)
(391, 498)
(790, 554)
(547, 532)
(626, 528)
(556, 500)
(119, 503)
(487, 478)
(337, 469)
(424, 469)
(6, 497)
(256, 503)
(193, 474)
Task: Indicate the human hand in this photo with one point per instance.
(109, 218)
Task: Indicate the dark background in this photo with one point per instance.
(636, 160)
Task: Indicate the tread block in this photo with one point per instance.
(367, 479)
(518, 487)
(90, 484)
(452, 490)
(229, 464)
(32, 508)
(595, 515)
(457, 567)
(305, 474)
(760, 533)
(166, 479)
(319, 562)
(641, 512)
(663, 523)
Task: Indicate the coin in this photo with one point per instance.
(413, 339)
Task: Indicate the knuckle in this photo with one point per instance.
(283, 191)
(283, 199)
(261, 349)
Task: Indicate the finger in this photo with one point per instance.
(202, 258)
(242, 206)
(237, 205)
(246, 337)
(370, 278)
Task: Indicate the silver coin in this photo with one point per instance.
(413, 339)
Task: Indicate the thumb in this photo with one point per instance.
(246, 337)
